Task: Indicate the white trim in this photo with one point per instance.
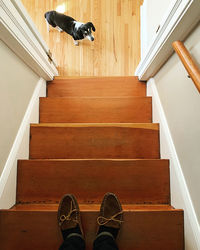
(23, 12)
(143, 28)
(180, 198)
(179, 20)
(19, 37)
(20, 143)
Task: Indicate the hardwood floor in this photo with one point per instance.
(116, 49)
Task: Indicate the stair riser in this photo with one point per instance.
(140, 230)
(95, 87)
(107, 110)
(93, 142)
(142, 181)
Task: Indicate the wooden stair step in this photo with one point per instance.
(131, 109)
(97, 140)
(134, 181)
(96, 86)
(146, 228)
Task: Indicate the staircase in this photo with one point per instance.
(95, 136)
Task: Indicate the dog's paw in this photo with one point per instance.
(59, 29)
(76, 43)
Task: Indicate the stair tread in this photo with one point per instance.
(142, 229)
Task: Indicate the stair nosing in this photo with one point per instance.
(94, 207)
(98, 97)
(96, 159)
(152, 126)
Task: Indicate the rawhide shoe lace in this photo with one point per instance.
(110, 217)
(69, 219)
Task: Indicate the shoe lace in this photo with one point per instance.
(68, 216)
(101, 220)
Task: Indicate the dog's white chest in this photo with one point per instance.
(77, 25)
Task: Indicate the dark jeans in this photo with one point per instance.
(104, 242)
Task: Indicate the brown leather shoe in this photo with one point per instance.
(110, 212)
(69, 215)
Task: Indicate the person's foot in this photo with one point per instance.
(110, 217)
(69, 219)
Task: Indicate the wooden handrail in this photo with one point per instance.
(188, 62)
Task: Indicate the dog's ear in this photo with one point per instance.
(91, 25)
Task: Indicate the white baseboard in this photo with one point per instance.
(180, 196)
(20, 148)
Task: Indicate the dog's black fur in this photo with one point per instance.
(68, 24)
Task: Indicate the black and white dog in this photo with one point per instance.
(68, 24)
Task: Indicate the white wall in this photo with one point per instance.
(16, 88)
(20, 89)
(180, 101)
